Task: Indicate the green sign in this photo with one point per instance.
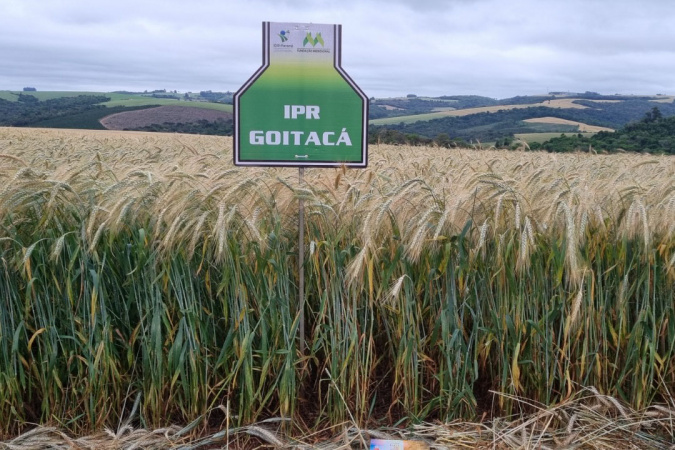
(301, 109)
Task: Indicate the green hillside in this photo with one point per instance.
(13, 96)
(445, 120)
(75, 109)
(149, 101)
(125, 99)
(28, 110)
(497, 122)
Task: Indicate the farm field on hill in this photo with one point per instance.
(541, 137)
(118, 99)
(43, 95)
(161, 114)
(665, 99)
(583, 128)
(145, 277)
(557, 103)
(150, 101)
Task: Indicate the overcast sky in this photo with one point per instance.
(496, 48)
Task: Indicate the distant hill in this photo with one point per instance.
(498, 119)
(203, 99)
(413, 108)
(447, 120)
(86, 109)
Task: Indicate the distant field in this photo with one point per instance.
(117, 99)
(604, 101)
(558, 103)
(584, 128)
(50, 95)
(433, 99)
(142, 101)
(411, 118)
(542, 137)
(563, 103)
(150, 116)
(46, 95)
(390, 108)
(666, 99)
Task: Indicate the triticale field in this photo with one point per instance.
(144, 280)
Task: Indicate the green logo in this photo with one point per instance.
(284, 35)
(312, 40)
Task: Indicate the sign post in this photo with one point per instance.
(301, 263)
(301, 109)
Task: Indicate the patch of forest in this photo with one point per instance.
(653, 134)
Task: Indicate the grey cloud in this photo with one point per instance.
(489, 47)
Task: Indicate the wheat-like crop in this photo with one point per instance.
(146, 264)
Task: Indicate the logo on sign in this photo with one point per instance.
(313, 40)
(284, 35)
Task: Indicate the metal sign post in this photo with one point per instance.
(301, 109)
(301, 264)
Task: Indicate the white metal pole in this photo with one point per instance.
(301, 264)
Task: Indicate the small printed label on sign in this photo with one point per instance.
(388, 444)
